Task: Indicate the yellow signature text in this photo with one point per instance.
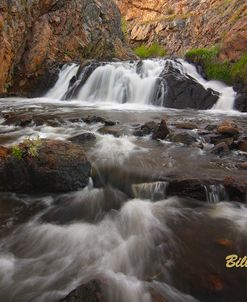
(236, 261)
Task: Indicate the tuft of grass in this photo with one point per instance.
(155, 50)
(17, 152)
(28, 149)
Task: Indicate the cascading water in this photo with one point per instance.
(227, 94)
(216, 193)
(128, 229)
(66, 74)
(138, 82)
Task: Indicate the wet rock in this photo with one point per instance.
(22, 120)
(57, 166)
(83, 138)
(98, 119)
(184, 138)
(211, 127)
(110, 123)
(162, 131)
(89, 292)
(146, 129)
(184, 92)
(242, 145)
(115, 131)
(241, 102)
(243, 165)
(214, 138)
(236, 188)
(188, 126)
(193, 188)
(228, 127)
(220, 148)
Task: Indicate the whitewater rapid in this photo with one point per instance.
(135, 83)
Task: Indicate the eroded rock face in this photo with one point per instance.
(180, 25)
(37, 32)
(58, 167)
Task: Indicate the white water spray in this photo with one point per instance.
(136, 83)
(62, 85)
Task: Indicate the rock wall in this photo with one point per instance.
(36, 33)
(180, 25)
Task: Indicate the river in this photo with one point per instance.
(124, 228)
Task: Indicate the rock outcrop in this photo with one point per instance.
(35, 34)
(180, 25)
(43, 166)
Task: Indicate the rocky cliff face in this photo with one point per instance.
(180, 25)
(35, 34)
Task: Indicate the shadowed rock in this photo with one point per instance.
(57, 167)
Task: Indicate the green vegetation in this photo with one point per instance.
(239, 69)
(124, 27)
(17, 152)
(28, 149)
(224, 71)
(155, 50)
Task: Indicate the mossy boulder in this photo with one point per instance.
(55, 166)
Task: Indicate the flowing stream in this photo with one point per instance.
(140, 242)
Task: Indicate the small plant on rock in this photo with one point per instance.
(17, 152)
(28, 149)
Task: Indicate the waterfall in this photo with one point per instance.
(66, 74)
(227, 94)
(216, 193)
(139, 82)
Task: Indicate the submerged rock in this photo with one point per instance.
(83, 138)
(52, 166)
(186, 125)
(146, 129)
(184, 138)
(89, 292)
(220, 148)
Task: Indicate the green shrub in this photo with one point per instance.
(226, 71)
(16, 152)
(239, 69)
(202, 54)
(155, 50)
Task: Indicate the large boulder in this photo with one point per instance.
(44, 166)
(241, 102)
(182, 91)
